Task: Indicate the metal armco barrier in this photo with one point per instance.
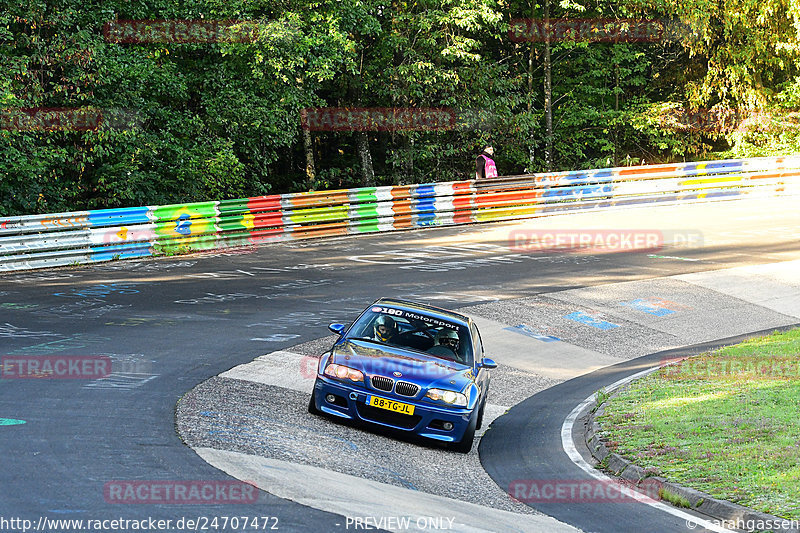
(50, 240)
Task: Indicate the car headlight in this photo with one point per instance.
(343, 372)
(447, 396)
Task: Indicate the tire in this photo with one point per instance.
(465, 444)
(480, 416)
(312, 405)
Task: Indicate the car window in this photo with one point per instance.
(415, 331)
(365, 326)
(477, 344)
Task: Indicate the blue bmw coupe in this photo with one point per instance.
(410, 367)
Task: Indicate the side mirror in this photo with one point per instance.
(488, 363)
(337, 328)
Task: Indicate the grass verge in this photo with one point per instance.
(724, 422)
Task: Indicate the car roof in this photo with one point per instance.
(435, 312)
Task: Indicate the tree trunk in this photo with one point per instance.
(548, 91)
(362, 139)
(616, 117)
(531, 140)
(311, 171)
(367, 173)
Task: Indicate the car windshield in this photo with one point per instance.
(408, 329)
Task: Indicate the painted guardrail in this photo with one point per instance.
(49, 240)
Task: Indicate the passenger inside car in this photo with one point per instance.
(447, 344)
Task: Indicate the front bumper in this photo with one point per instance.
(427, 420)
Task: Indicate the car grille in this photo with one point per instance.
(404, 388)
(382, 383)
(382, 416)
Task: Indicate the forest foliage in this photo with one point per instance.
(191, 120)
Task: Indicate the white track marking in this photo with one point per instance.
(575, 456)
(351, 496)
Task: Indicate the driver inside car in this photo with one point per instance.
(384, 328)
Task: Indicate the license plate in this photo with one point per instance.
(390, 405)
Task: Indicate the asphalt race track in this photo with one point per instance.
(182, 333)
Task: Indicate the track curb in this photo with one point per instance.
(616, 465)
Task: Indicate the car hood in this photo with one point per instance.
(416, 367)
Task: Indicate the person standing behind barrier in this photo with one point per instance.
(484, 165)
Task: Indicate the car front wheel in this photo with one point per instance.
(465, 444)
(480, 415)
(312, 405)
